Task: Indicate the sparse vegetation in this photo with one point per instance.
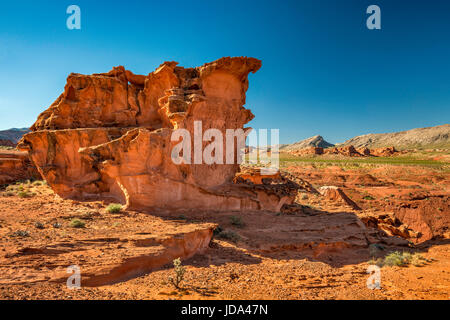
(400, 259)
(368, 197)
(24, 194)
(21, 233)
(57, 225)
(114, 208)
(228, 235)
(39, 225)
(355, 163)
(179, 273)
(77, 223)
(21, 189)
(237, 221)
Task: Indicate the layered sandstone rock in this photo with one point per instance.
(15, 165)
(109, 136)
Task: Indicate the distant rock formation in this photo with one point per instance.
(436, 137)
(315, 142)
(108, 136)
(12, 136)
(347, 151)
(15, 165)
(7, 143)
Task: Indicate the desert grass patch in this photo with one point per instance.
(364, 162)
(21, 189)
(77, 223)
(25, 194)
(114, 208)
(38, 183)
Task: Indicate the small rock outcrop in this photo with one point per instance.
(347, 151)
(336, 194)
(15, 165)
(108, 136)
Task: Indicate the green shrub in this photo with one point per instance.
(77, 223)
(114, 208)
(368, 198)
(24, 194)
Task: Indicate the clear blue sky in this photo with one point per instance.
(323, 71)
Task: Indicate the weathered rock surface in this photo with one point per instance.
(336, 194)
(108, 136)
(15, 165)
(105, 254)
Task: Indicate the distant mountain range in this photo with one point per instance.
(436, 137)
(431, 137)
(13, 135)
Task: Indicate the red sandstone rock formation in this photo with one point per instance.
(308, 151)
(384, 152)
(349, 151)
(336, 194)
(15, 165)
(108, 136)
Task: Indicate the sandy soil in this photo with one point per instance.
(321, 251)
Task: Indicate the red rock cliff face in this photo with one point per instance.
(108, 136)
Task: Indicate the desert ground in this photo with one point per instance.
(318, 248)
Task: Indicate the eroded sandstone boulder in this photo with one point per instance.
(108, 136)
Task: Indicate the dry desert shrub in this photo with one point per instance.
(179, 273)
(400, 259)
